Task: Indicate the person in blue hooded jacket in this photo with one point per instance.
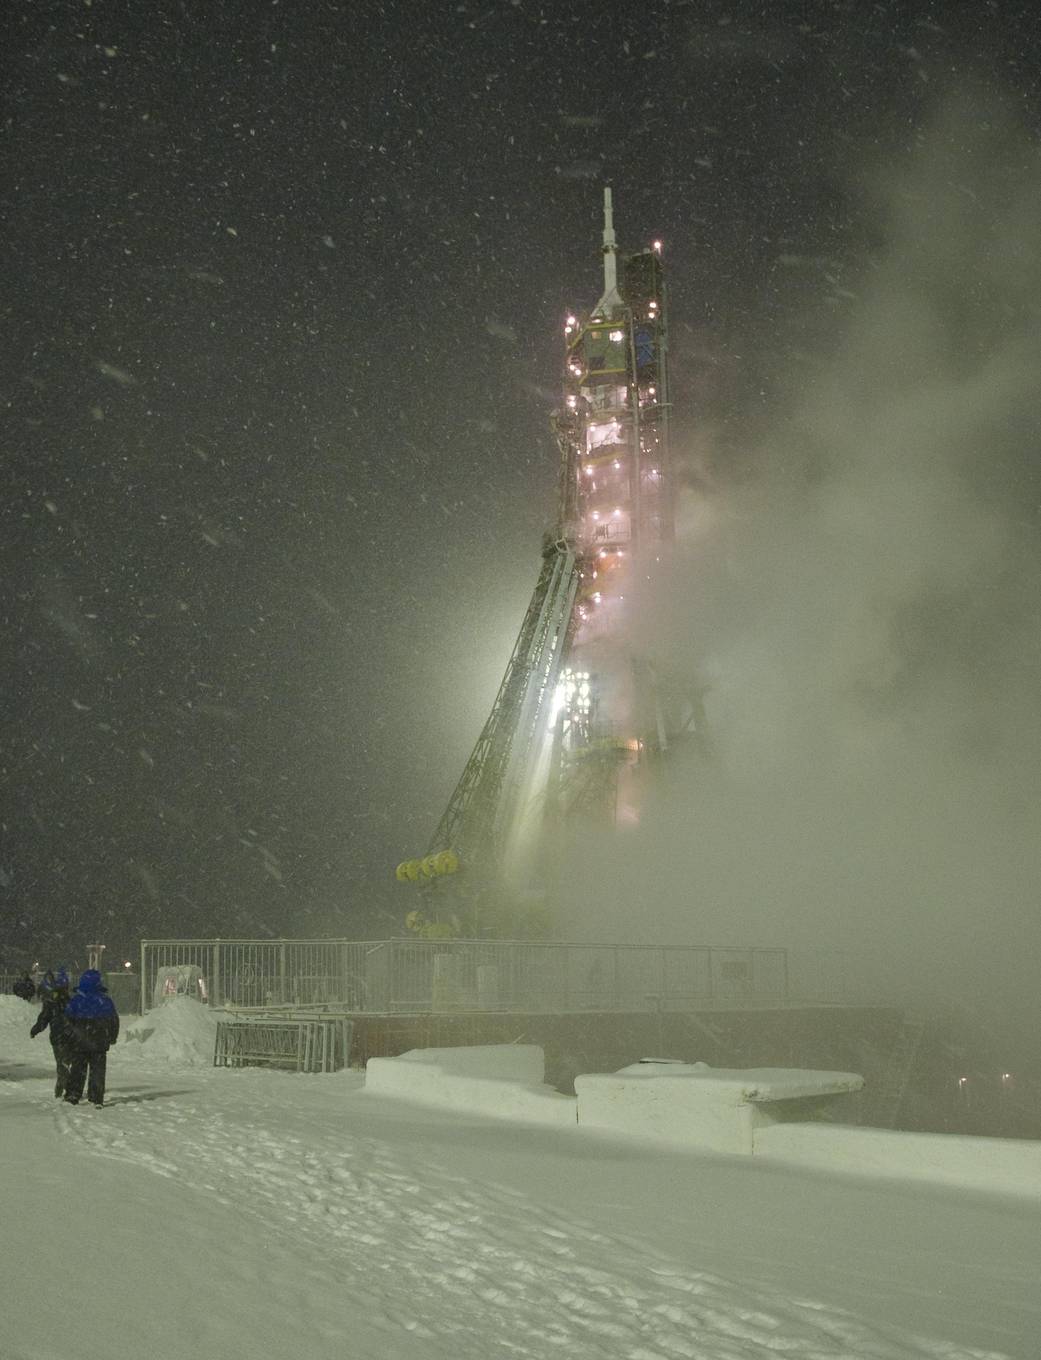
(93, 1024)
(54, 994)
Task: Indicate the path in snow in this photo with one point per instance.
(472, 1268)
(261, 1214)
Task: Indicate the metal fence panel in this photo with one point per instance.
(313, 1043)
(413, 975)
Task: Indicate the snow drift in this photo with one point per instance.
(180, 1032)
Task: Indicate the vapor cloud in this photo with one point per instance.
(865, 614)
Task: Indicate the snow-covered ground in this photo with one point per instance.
(255, 1214)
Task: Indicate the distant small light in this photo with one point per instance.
(596, 514)
(597, 598)
(656, 247)
(127, 963)
(617, 335)
(617, 463)
(572, 402)
(963, 1081)
(572, 321)
(602, 552)
(618, 514)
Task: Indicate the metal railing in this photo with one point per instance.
(411, 975)
(314, 1044)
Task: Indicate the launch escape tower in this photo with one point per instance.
(574, 708)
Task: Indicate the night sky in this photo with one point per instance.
(281, 337)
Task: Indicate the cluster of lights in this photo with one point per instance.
(573, 692)
(576, 690)
(616, 336)
(570, 325)
(572, 401)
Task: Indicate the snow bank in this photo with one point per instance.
(1011, 1166)
(696, 1106)
(17, 1018)
(181, 1032)
(14, 1012)
(501, 1080)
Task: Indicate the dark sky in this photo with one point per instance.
(280, 343)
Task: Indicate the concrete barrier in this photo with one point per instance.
(695, 1106)
(504, 1081)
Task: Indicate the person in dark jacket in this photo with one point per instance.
(93, 1024)
(24, 987)
(54, 993)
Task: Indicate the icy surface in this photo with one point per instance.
(256, 1215)
(745, 1083)
(503, 1062)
